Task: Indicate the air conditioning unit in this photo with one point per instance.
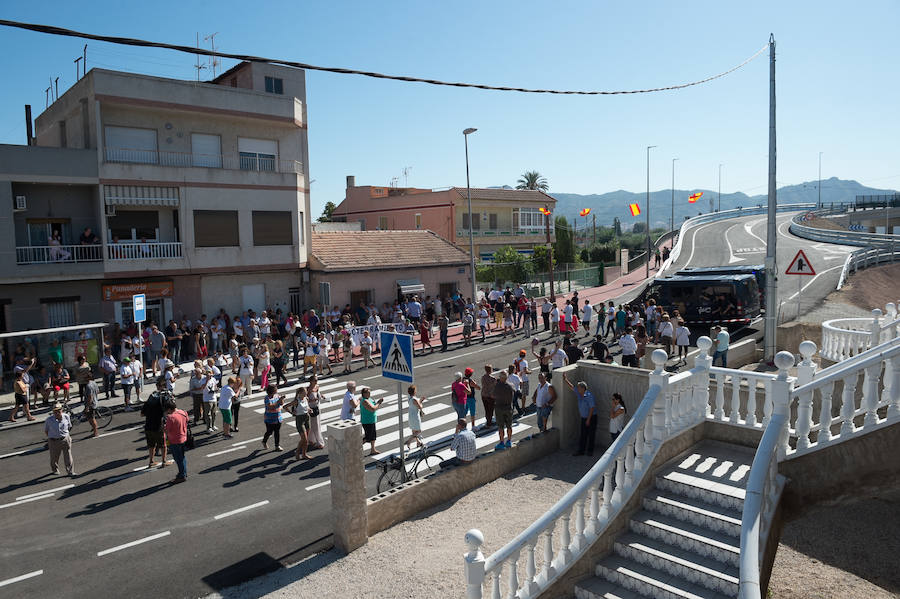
(110, 210)
(21, 204)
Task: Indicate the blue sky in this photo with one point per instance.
(837, 82)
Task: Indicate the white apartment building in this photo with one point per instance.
(197, 192)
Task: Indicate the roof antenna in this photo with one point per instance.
(199, 66)
(213, 60)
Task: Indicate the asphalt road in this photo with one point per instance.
(119, 529)
(743, 241)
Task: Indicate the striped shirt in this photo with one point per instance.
(273, 413)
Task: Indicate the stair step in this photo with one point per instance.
(679, 562)
(695, 511)
(599, 588)
(702, 541)
(650, 582)
(715, 493)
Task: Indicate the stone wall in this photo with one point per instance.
(405, 501)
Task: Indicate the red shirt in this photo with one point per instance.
(460, 390)
(176, 427)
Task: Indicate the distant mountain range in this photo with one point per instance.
(615, 203)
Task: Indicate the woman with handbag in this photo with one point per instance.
(314, 397)
(278, 362)
(273, 417)
(299, 407)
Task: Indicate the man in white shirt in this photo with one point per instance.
(545, 314)
(514, 381)
(414, 310)
(587, 312)
(126, 378)
(544, 398)
(558, 359)
(522, 370)
(348, 408)
(629, 349)
(554, 320)
(265, 325)
(720, 347)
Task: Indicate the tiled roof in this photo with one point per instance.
(367, 250)
(508, 195)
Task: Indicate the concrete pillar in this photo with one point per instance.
(348, 485)
(565, 411)
(623, 261)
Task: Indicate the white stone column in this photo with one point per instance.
(348, 485)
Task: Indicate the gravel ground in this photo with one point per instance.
(844, 549)
(423, 557)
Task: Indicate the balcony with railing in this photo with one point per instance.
(50, 254)
(243, 161)
(143, 250)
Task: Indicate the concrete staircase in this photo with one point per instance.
(685, 541)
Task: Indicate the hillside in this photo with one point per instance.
(615, 203)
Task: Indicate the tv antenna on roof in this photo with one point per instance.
(406, 170)
(213, 60)
(199, 66)
(395, 181)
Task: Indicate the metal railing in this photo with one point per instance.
(190, 160)
(865, 258)
(143, 250)
(48, 254)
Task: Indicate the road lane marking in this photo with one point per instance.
(242, 509)
(317, 485)
(214, 454)
(133, 543)
(23, 501)
(3, 583)
(44, 492)
(731, 257)
(15, 453)
(124, 430)
(748, 227)
(813, 280)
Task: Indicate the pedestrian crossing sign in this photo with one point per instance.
(397, 356)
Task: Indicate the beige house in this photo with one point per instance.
(374, 267)
(501, 216)
(197, 192)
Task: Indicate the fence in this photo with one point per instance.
(567, 277)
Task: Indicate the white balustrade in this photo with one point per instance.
(143, 250)
(672, 404)
(65, 254)
(843, 338)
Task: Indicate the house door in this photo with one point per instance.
(254, 297)
(41, 231)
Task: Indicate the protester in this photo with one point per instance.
(210, 399)
(682, 340)
(616, 416)
(471, 387)
(415, 413)
(299, 407)
(488, 382)
(458, 393)
(544, 397)
(91, 401)
(314, 397)
(176, 426)
(273, 416)
(226, 402)
(20, 391)
(56, 429)
(348, 408)
(720, 346)
(503, 404)
(368, 416)
(152, 411)
(586, 409)
(629, 348)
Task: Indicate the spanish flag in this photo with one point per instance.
(694, 197)
(544, 211)
(635, 209)
(584, 212)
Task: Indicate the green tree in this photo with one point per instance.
(532, 180)
(327, 212)
(639, 228)
(541, 258)
(564, 248)
(510, 265)
(617, 227)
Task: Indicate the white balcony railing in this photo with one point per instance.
(843, 338)
(48, 254)
(143, 250)
(190, 160)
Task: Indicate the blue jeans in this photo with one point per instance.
(723, 355)
(460, 409)
(177, 450)
(109, 383)
(543, 414)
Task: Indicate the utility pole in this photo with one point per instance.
(819, 186)
(672, 220)
(771, 229)
(720, 189)
(647, 232)
(466, 133)
(549, 251)
(594, 237)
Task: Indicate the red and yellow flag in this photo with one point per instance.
(635, 209)
(584, 212)
(544, 211)
(694, 197)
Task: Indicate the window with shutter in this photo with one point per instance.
(272, 227)
(216, 228)
(492, 222)
(129, 144)
(206, 150)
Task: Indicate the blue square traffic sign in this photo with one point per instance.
(397, 356)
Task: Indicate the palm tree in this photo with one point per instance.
(533, 180)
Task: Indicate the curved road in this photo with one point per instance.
(743, 241)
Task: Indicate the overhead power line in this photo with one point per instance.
(128, 41)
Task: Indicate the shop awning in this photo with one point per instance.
(140, 195)
(408, 286)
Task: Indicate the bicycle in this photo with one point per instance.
(102, 414)
(392, 475)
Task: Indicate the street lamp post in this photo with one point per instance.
(719, 209)
(647, 232)
(466, 133)
(819, 186)
(672, 220)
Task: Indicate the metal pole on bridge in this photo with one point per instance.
(771, 230)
